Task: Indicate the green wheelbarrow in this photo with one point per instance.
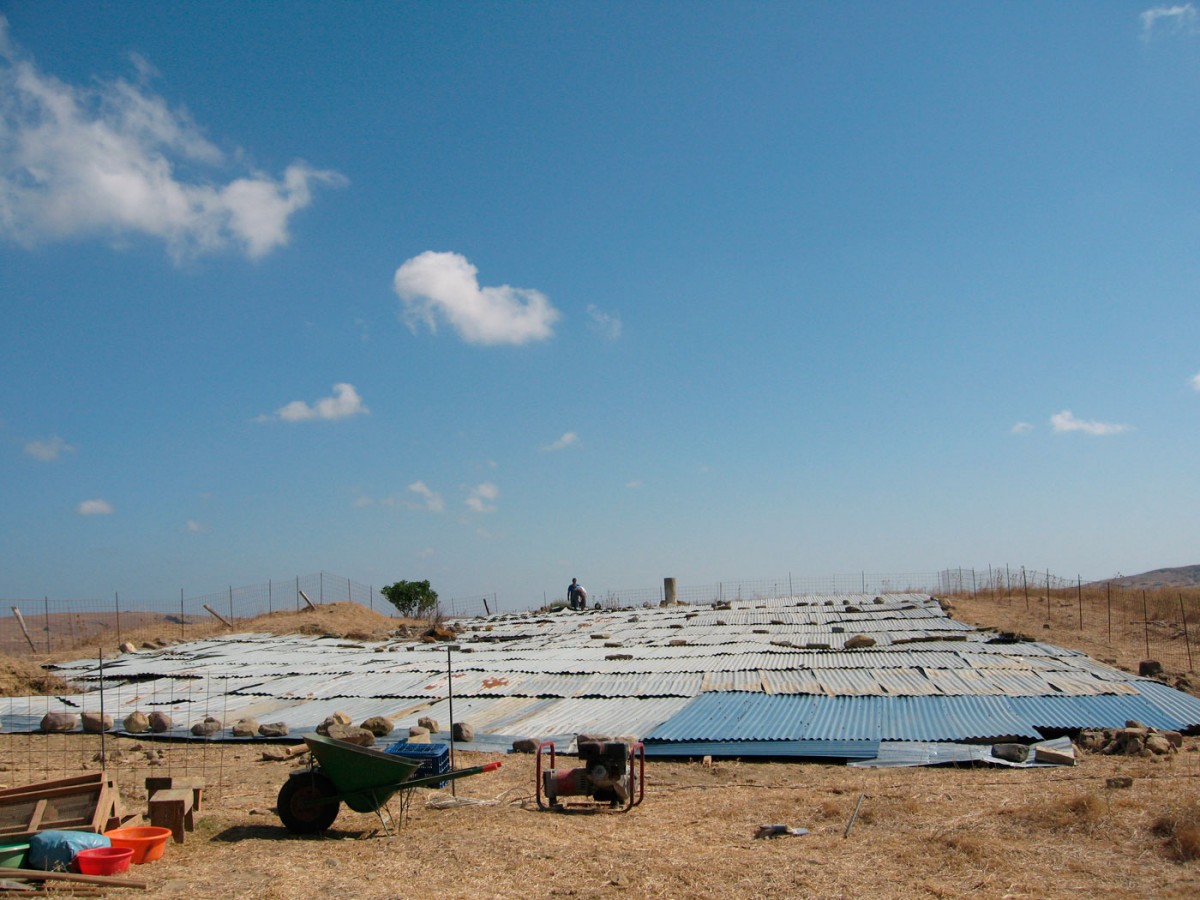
(365, 779)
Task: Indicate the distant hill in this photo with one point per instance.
(1180, 576)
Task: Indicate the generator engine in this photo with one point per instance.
(613, 772)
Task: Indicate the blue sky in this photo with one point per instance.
(497, 294)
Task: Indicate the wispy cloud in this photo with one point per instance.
(194, 527)
(94, 508)
(607, 324)
(432, 500)
(344, 403)
(435, 287)
(1065, 421)
(568, 439)
(1022, 428)
(1182, 18)
(634, 484)
(1196, 382)
(49, 449)
(105, 159)
(483, 497)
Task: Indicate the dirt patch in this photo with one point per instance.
(25, 678)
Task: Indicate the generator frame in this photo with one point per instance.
(637, 756)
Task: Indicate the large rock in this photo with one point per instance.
(127, 647)
(417, 735)
(859, 641)
(137, 723)
(273, 729)
(1148, 668)
(1017, 753)
(1158, 744)
(338, 718)
(59, 723)
(525, 745)
(160, 722)
(209, 726)
(351, 735)
(464, 731)
(380, 726)
(245, 728)
(96, 723)
(429, 724)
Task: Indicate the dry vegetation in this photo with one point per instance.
(945, 832)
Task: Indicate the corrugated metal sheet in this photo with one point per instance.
(556, 677)
(771, 749)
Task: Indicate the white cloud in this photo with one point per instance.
(444, 286)
(344, 403)
(607, 324)
(1180, 18)
(1065, 421)
(113, 159)
(1022, 428)
(482, 497)
(94, 508)
(634, 484)
(568, 438)
(432, 500)
(362, 501)
(48, 450)
(194, 527)
(1196, 382)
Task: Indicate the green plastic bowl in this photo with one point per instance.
(14, 856)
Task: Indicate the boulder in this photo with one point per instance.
(127, 647)
(1148, 668)
(338, 718)
(1012, 752)
(245, 728)
(525, 745)
(439, 633)
(95, 723)
(160, 722)
(418, 736)
(429, 724)
(859, 641)
(208, 727)
(351, 735)
(59, 723)
(137, 723)
(273, 729)
(464, 731)
(380, 726)
(1158, 744)
(1054, 757)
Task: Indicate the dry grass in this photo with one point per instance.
(919, 833)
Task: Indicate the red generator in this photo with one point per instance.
(613, 772)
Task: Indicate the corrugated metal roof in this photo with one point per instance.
(551, 675)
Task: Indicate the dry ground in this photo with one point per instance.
(920, 833)
(945, 832)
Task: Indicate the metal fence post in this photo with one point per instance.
(117, 605)
(46, 606)
(1186, 640)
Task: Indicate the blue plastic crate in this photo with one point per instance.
(435, 759)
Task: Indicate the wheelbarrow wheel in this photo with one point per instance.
(306, 803)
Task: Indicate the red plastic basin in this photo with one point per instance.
(103, 860)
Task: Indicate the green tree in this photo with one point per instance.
(411, 598)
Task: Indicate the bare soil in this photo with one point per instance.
(925, 832)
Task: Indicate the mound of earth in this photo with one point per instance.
(25, 678)
(345, 619)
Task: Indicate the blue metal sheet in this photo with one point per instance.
(774, 749)
(1184, 708)
(1098, 711)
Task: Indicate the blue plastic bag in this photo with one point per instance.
(53, 851)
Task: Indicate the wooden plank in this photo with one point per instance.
(35, 820)
(223, 620)
(24, 630)
(95, 779)
(107, 880)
